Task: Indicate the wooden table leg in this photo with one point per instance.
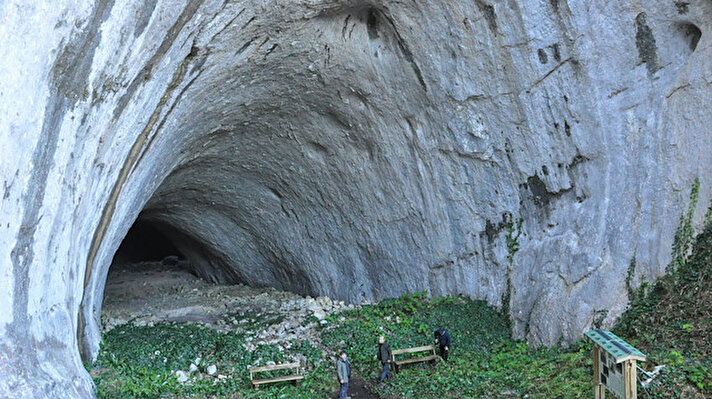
(631, 383)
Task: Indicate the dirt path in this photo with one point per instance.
(358, 390)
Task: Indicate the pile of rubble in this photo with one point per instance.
(153, 292)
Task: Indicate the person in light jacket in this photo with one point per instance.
(343, 370)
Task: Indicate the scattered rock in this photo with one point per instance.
(312, 305)
(151, 296)
(324, 302)
(182, 376)
(320, 314)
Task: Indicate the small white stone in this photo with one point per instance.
(193, 368)
(182, 376)
(212, 369)
(320, 314)
(313, 306)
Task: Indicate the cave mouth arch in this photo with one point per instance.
(266, 170)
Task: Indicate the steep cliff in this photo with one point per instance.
(518, 152)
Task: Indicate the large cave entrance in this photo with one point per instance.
(259, 172)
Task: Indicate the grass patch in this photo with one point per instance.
(485, 362)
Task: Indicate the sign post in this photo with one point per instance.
(614, 365)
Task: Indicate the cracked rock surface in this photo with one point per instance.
(518, 152)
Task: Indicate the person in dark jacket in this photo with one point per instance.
(384, 355)
(442, 338)
(343, 371)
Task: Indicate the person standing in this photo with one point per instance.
(442, 338)
(384, 355)
(343, 370)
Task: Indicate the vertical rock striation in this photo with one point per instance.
(518, 152)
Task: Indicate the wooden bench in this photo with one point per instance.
(432, 357)
(295, 378)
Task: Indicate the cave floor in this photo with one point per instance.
(148, 293)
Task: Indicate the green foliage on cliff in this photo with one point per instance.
(672, 323)
(685, 233)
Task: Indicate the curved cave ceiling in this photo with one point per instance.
(283, 167)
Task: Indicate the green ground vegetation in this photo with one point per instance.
(484, 360)
(137, 362)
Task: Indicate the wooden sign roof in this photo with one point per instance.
(615, 346)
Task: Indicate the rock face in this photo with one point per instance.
(515, 151)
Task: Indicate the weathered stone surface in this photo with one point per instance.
(346, 148)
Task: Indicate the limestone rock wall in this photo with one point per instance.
(347, 148)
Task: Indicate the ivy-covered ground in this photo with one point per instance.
(484, 361)
(670, 321)
(138, 362)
